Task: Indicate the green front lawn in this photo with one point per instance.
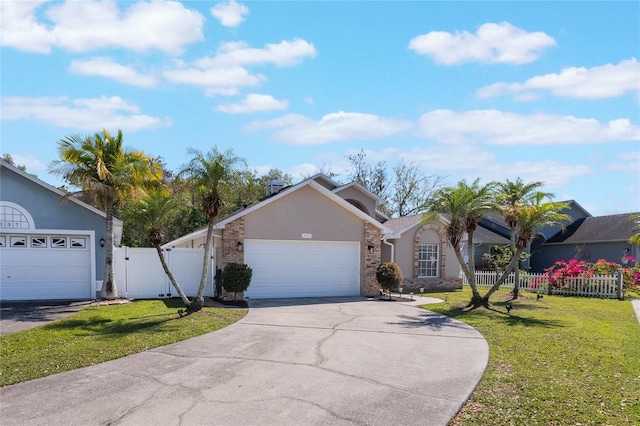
(101, 333)
(556, 361)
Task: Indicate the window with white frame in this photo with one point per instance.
(38, 242)
(428, 260)
(58, 242)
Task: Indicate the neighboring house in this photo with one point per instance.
(584, 237)
(319, 238)
(589, 238)
(51, 247)
(312, 239)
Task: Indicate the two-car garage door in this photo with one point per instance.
(302, 268)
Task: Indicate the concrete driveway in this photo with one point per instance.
(18, 316)
(336, 361)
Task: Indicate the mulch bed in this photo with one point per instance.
(395, 299)
(219, 303)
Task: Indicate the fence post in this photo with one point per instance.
(620, 285)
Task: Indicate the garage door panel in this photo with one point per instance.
(37, 273)
(303, 268)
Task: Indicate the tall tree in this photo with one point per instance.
(511, 197)
(210, 175)
(462, 206)
(153, 211)
(103, 169)
(412, 189)
(374, 178)
(537, 213)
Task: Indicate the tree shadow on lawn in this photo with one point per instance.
(505, 317)
(107, 327)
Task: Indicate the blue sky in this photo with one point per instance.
(545, 91)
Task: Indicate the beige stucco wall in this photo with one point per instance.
(352, 193)
(406, 258)
(304, 211)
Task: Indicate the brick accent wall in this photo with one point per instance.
(414, 284)
(231, 234)
(369, 286)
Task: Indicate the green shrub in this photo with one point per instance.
(236, 277)
(389, 276)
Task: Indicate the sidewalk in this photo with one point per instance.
(636, 307)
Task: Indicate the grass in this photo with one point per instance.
(102, 333)
(556, 361)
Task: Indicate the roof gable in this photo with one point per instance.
(308, 183)
(360, 188)
(54, 190)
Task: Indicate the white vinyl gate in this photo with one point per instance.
(139, 273)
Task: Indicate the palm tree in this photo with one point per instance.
(462, 206)
(210, 175)
(635, 238)
(152, 212)
(109, 174)
(528, 219)
(511, 196)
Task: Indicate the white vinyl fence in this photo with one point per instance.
(609, 286)
(139, 273)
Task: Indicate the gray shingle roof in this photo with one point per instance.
(401, 224)
(485, 236)
(617, 227)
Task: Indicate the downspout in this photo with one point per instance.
(384, 240)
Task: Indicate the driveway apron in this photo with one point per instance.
(334, 361)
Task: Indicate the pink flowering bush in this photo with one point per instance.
(559, 271)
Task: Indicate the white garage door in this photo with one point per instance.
(302, 268)
(45, 267)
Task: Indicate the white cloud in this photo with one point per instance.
(20, 28)
(230, 14)
(553, 174)
(606, 81)
(29, 161)
(106, 67)
(341, 126)
(492, 43)
(226, 73)
(505, 128)
(81, 26)
(254, 103)
(87, 114)
(240, 54)
(215, 81)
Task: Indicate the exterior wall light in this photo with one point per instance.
(239, 246)
(371, 248)
(101, 242)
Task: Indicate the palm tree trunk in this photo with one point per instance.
(109, 290)
(173, 280)
(470, 269)
(198, 301)
(505, 274)
(514, 251)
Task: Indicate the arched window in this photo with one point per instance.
(14, 216)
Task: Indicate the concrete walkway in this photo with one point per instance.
(335, 361)
(636, 308)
